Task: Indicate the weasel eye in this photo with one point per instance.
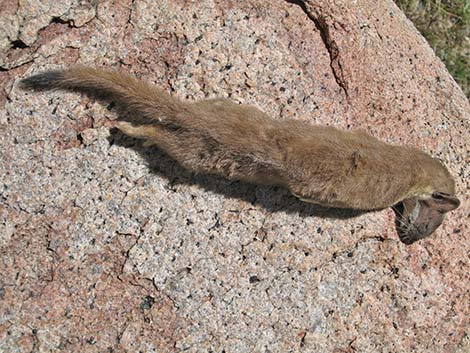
(440, 195)
(443, 202)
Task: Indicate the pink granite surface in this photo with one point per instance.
(106, 246)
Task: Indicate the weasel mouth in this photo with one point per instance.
(405, 229)
(415, 220)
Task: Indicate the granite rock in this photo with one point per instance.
(107, 246)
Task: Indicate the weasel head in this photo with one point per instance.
(419, 215)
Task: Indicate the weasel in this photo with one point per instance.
(318, 164)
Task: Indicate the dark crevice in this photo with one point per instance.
(18, 44)
(80, 138)
(330, 45)
(61, 21)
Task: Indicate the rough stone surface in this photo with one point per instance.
(106, 246)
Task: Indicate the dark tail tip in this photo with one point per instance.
(43, 81)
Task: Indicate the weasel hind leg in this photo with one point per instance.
(136, 131)
(177, 145)
(150, 133)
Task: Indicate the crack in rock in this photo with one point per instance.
(330, 45)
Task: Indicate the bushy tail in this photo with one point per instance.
(126, 92)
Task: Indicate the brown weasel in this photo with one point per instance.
(318, 164)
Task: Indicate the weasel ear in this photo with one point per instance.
(444, 202)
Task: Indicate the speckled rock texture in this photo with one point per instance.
(107, 246)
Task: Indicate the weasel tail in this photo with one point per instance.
(318, 164)
(125, 91)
